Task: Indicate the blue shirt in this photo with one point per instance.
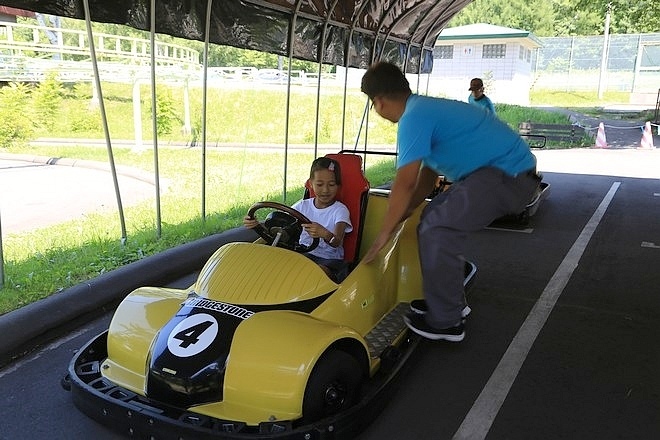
(454, 139)
(483, 102)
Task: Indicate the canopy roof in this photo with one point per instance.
(350, 33)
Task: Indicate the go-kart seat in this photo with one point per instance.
(354, 193)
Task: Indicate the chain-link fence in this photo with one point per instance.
(574, 63)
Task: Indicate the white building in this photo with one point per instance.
(499, 55)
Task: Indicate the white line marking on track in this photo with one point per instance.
(480, 418)
(649, 244)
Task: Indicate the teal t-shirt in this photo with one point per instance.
(455, 138)
(483, 102)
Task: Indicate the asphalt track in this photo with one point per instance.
(40, 191)
(561, 342)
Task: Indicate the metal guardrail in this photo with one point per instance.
(17, 39)
(29, 52)
(24, 69)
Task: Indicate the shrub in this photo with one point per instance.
(16, 124)
(85, 123)
(165, 114)
(46, 101)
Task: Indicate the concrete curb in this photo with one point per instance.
(47, 319)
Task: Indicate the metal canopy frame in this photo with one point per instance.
(348, 33)
(351, 33)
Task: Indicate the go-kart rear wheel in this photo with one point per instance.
(333, 386)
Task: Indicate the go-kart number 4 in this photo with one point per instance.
(192, 335)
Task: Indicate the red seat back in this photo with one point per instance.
(353, 193)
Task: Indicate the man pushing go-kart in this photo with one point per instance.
(493, 173)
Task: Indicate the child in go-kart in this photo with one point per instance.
(330, 219)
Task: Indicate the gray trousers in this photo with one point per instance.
(467, 206)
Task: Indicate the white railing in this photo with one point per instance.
(23, 40)
(30, 53)
(24, 69)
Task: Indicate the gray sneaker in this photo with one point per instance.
(419, 306)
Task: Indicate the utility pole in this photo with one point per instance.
(603, 62)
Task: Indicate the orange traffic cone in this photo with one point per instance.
(601, 142)
(647, 138)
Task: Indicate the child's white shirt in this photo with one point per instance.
(328, 218)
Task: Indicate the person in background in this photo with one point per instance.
(477, 97)
(493, 173)
(330, 219)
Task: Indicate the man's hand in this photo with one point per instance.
(378, 244)
(399, 206)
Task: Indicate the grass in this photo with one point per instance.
(236, 115)
(587, 102)
(51, 259)
(577, 99)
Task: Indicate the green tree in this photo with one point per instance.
(46, 100)
(531, 15)
(626, 17)
(14, 104)
(563, 17)
(166, 114)
(571, 21)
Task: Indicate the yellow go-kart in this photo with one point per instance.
(264, 344)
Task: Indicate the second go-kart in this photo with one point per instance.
(518, 219)
(264, 344)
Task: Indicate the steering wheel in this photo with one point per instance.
(283, 227)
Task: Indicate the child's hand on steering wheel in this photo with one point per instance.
(250, 222)
(315, 230)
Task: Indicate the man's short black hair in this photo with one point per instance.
(384, 79)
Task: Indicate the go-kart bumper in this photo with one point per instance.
(542, 194)
(138, 417)
(522, 219)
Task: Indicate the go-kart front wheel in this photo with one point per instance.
(333, 386)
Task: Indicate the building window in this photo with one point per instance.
(525, 54)
(494, 51)
(444, 52)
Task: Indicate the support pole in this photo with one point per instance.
(603, 63)
(154, 113)
(638, 63)
(207, 31)
(187, 127)
(104, 119)
(2, 259)
(137, 116)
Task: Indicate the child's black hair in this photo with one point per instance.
(325, 163)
